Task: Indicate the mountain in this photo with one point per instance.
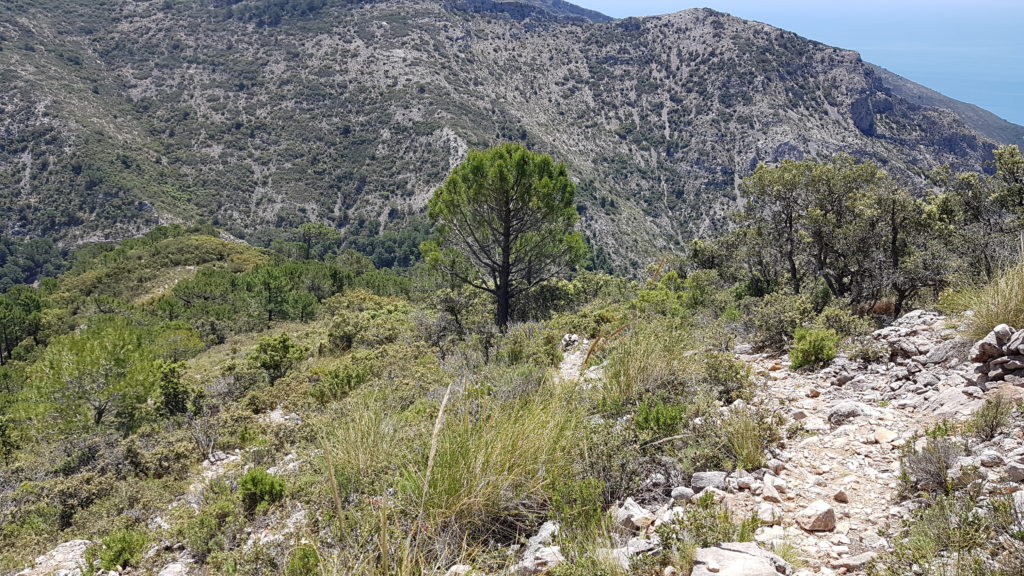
(258, 115)
(980, 120)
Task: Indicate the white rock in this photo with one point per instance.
(66, 559)
(459, 570)
(991, 459)
(632, 515)
(819, 516)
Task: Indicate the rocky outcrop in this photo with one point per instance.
(1001, 357)
(738, 559)
(68, 559)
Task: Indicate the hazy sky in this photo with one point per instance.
(971, 51)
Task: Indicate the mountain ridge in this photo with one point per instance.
(257, 118)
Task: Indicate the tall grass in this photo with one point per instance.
(491, 471)
(1001, 302)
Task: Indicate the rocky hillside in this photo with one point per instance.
(255, 115)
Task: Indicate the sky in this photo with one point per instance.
(968, 50)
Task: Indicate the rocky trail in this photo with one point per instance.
(832, 492)
(828, 494)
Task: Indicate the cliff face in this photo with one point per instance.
(120, 115)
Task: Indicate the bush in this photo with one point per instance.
(122, 549)
(276, 355)
(303, 561)
(706, 523)
(1001, 302)
(659, 419)
(728, 377)
(259, 488)
(652, 360)
(777, 317)
(336, 383)
(991, 418)
(749, 433)
(813, 347)
(928, 468)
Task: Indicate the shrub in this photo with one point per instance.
(749, 433)
(727, 376)
(654, 360)
(841, 320)
(122, 549)
(493, 472)
(777, 316)
(706, 523)
(259, 488)
(658, 418)
(928, 468)
(1001, 302)
(529, 344)
(276, 355)
(991, 418)
(338, 382)
(303, 561)
(813, 347)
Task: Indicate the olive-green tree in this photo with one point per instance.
(506, 219)
(104, 369)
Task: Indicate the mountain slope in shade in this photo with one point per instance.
(120, 115)
(977, 118)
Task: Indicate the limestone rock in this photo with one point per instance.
(459, 570)
(540, 556)
(991, 346)
(682, 493)
(632, 515)
(702, 480)
(176, 569)
(66, 559)
(817, 517)
(847, 410)
(738, 559)
(991, 459)
(1015, 471)
(854, 563)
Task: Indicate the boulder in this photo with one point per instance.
(702, 480)
(854, 563)
(178, 569)
(682, 493)
(817, 517)
(991, 459)
(769, 514)
(632, 515)
(459, 570)
(848, 410)
(67, 559)
(885, 436)
(1015, 471)
(991, 346)
(738, 559)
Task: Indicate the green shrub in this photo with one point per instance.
(841, 320)
(658, 418)
(991, 418)
(276, 355)
(728, 377)
(1001, 302)
(336, 383)
(303, 561)
(529, 343)
(813, 347)
(259, 488)
(706, 523)
(748, 433)
(122, 549)
(777, 317)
